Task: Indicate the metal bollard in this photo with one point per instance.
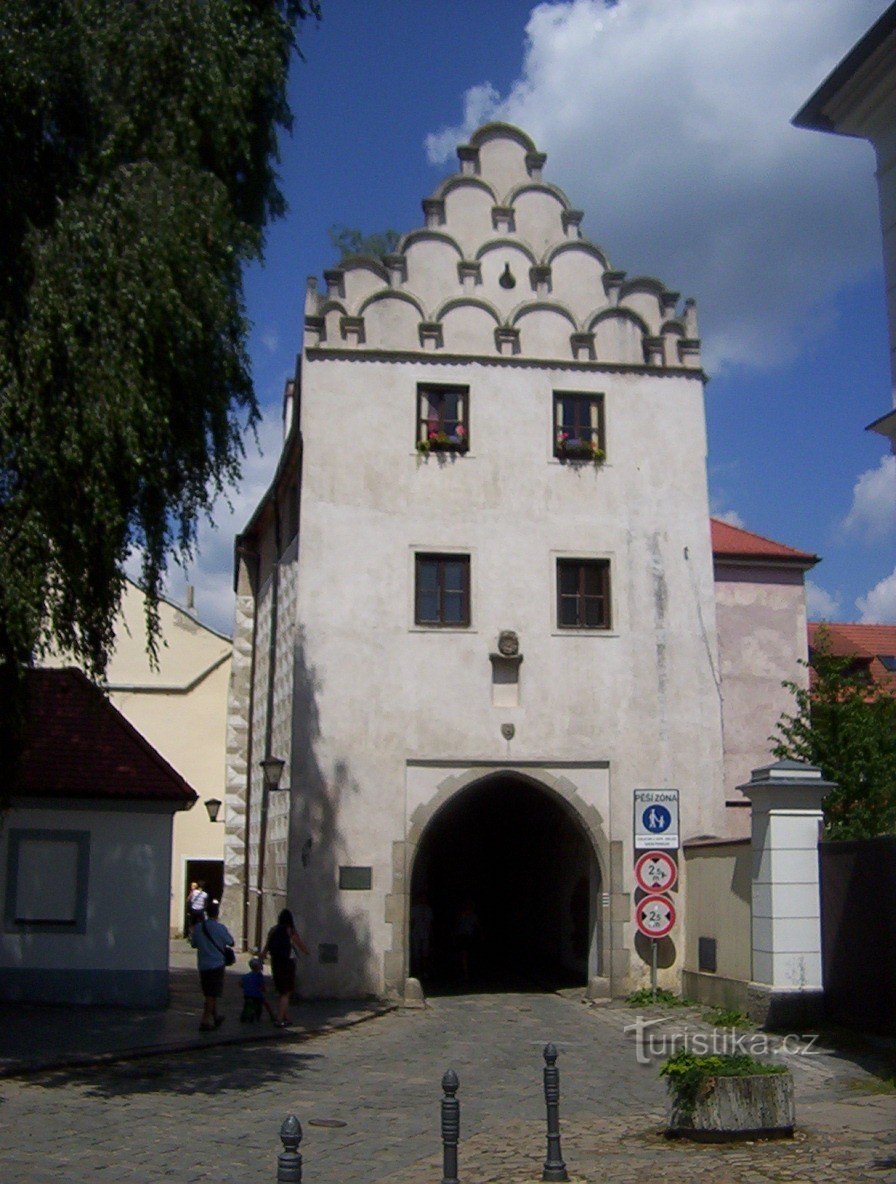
(554, 1167)
(289, 1161)
(450, 1127)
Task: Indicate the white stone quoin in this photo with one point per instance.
(786, 802)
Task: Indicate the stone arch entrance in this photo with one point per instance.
(513, 883)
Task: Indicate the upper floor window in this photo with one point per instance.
(583, 594)
(442, 413)
(442, 590)
(579, 426)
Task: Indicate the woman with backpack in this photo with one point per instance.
(282, 944)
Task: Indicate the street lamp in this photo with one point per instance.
(272, 770)
(213, 805)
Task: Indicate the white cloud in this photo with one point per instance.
(821, 605)
(879, 606)
(731, 517)
(873, 510)
(270, 339)
(669, 123)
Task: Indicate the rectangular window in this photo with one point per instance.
(579, 426)
(442, 590)
(583, 593)
(46, 880)
(442, 418)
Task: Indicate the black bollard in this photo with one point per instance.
(450, 1127)
(554, 1167)
(289, 1161)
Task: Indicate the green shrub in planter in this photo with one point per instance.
(728, 1097)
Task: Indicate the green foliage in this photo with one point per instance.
(846, 725)
(688, 1075)
(645, 998)
(140, 145)
(348, 240)
(727, 1017)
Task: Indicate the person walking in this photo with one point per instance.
(282, 944)
(197, 899)
(210, 939)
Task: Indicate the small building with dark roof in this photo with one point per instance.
(85, 853)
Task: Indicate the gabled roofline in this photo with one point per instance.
(811, 115)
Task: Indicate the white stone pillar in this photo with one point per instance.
(786, 902)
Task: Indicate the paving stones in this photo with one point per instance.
(140, 1121)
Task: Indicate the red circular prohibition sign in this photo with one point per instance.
(655, 915)
(658, 862)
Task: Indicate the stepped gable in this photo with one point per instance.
(500, 268)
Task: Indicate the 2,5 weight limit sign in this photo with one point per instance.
(655, 916)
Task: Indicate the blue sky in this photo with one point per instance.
(667, 121)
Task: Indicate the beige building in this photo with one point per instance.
(477, 608)
(181, 709)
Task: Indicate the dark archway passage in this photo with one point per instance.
(514, 889)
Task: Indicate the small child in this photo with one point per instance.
(253, 994)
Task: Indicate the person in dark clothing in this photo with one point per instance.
(283, 943)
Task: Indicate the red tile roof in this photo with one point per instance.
(868, 644)
(732, 542)
(77, 745)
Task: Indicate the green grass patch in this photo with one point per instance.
(645, 998)
(688, 1075)
(727, 1017)
(874, 1085)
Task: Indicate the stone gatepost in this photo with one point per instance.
(786, 987)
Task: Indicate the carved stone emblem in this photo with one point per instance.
(508, 731)
(508, 643)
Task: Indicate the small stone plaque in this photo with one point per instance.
(356, 879)
(706, 954)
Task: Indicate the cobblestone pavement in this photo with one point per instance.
(214, 1115)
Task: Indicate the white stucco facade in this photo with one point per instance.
(117, 950)
(385, 721)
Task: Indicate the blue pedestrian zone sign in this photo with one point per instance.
(656, 819)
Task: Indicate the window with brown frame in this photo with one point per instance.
(583, 594)
(442, 590)
(442, 418)
(579, 426)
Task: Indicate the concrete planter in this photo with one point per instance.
(727, 1109)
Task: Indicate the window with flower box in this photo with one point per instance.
(442, 590)
(579, 426)
(583, 594)
(442, 418)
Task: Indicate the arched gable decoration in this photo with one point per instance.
(505, 131)
(642, 283)
(364, 263)
(514, 244)
(531, 306)
(538, 187)
(583, 246)
(674, 326)
(332, 306)
(425, 234)
(468, 302)
(465, 181)
(392, 294)
(619, 314)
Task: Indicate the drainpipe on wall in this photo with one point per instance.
(268, 727)
(250, 557)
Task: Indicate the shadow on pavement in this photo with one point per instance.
(211, 1071)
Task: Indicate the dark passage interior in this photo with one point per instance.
(506, 886)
